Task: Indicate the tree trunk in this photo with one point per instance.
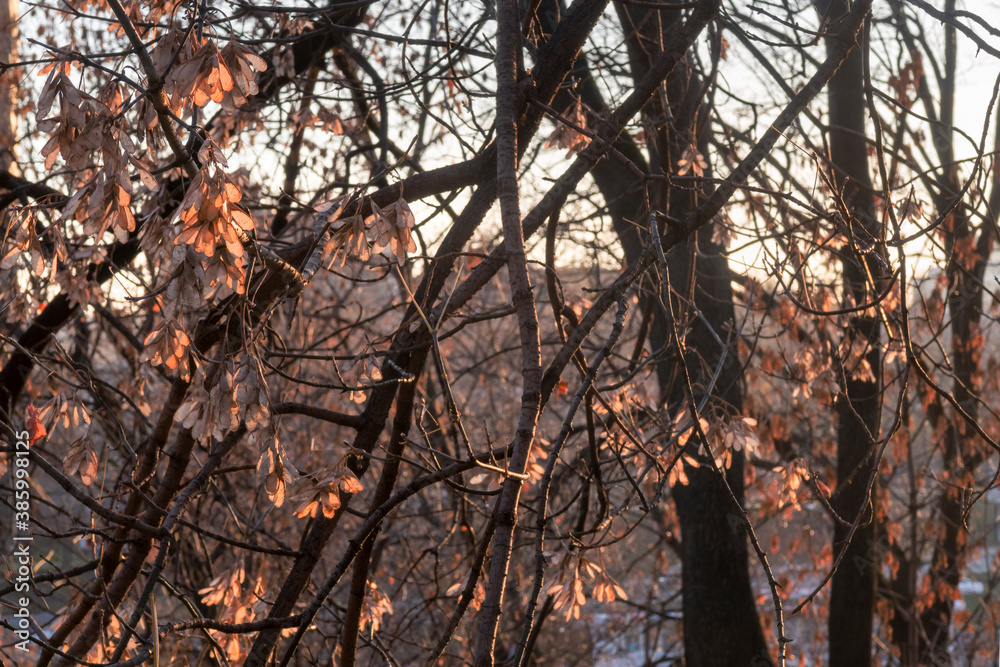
(8, 86)
(715, 570)
(962, 452)
(859, 406)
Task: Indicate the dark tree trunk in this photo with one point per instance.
(715, 574)
(962, 448)
(859, 406)
(721, 624)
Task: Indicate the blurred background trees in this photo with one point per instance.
(531, 333)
